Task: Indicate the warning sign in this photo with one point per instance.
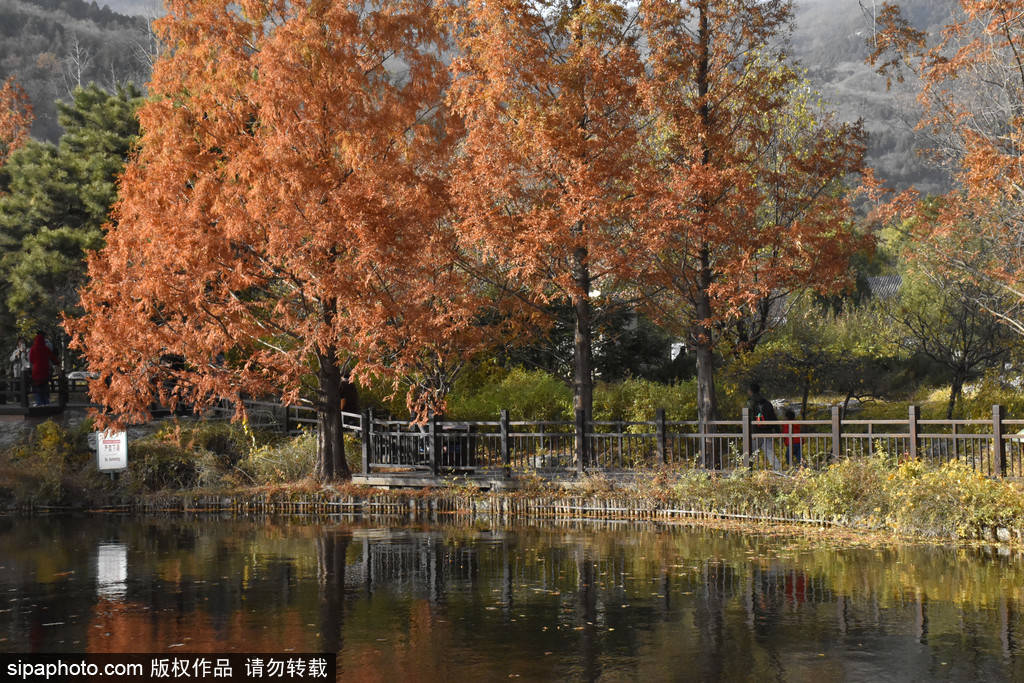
(111, 451)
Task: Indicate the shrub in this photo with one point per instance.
(158, 464)
(290, 460)
(989, 391)
(51, 462)
(293, 459)
(527, 394)
(636, 400)
(951, 501)
(852, 490)
(537, 395)
(186, 454)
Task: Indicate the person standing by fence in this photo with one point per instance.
(762, 414)
(20, 364)
(42, 359)
(349, 394)
(793, 443)
(20, 367)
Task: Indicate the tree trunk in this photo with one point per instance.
(804, 397)
(957, 387)
(707, 404)
(330, 443)
(583, 381)
(702, 336)
(707, 400)
(703, 341)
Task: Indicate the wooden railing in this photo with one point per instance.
(993, 446)
(17, 391)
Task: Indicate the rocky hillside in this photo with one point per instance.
(830, 42)
(51, 45)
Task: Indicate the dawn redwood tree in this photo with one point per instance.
(971, 79)
(284, 215)
(750, 198)
(544, 184)
(15, 118)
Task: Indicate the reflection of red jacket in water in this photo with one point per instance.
(40, 356)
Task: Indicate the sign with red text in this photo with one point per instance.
(111, 451)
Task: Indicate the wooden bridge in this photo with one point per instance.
(17, 401)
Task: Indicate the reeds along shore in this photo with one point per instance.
(221, 469)
(945, 503)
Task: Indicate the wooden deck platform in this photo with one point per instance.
(13, 412)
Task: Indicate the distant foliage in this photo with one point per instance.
(52, 47)
(527, 394)
(15, 118)
(536, 395)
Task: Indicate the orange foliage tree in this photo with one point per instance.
(971, 79)
(15, 118)
(748, 197)
(284, 218)
(544, 183)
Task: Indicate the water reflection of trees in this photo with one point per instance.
(576, 601)
(620, 598)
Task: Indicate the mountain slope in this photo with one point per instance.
(51, 46)
(830, 42)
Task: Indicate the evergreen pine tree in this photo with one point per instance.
(56, 203)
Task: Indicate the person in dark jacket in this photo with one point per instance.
(42, 358)
(349, 394)
(762, 414)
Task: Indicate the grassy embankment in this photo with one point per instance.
(54, 467)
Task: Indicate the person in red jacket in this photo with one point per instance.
(793, 442)
(41, 357)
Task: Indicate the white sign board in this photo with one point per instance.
(111, 451)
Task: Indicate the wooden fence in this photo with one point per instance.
(16, 392)
(506, 447)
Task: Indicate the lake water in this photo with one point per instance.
(402, 601)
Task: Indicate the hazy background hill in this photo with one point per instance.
(830, 43)
(51, 45)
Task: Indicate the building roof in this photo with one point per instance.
(885, 286)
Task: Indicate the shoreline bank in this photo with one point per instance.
(501, 506)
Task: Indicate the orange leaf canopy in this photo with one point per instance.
(971, 87)
(545, 172)
(285, 209)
